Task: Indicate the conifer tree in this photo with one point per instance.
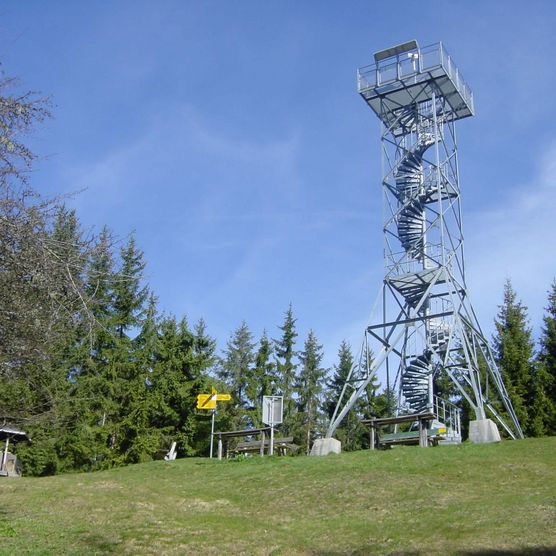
(513, 348)
(204, 361)
(124, 382)
(90, 445)
(286, 368)
(100, 277)
(384, 404)
(261, 380)
(178, 377)
(335, 384)
(235, 368)
(309, 388)
(67, 245)
(146, 342)
(547, 363)
(204, 348)
(111, 375)
(129, 292)
(237, 361)
(141, 438)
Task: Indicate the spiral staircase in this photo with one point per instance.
(412, 195)
(415, 383)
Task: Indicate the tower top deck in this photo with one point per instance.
(406, 75)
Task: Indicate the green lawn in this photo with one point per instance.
(468, 499)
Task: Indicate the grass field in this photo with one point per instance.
(467, 499)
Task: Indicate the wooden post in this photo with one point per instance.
(219, 447)
(262, 443)
(372, 437)
(5, 455)
(423, 439)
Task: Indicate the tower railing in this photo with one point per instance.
(449, 414)
(414, 64)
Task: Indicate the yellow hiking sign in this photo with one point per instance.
(208, 401)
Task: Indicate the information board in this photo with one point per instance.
(273, 409)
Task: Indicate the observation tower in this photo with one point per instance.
(427, 331)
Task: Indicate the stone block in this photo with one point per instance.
(325, 446)
(483, 431)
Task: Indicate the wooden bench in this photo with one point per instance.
(281, 445)
(410, 438)
(421, 436)
(223, 438)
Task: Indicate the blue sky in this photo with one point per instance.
(230, 137)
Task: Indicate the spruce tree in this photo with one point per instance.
(309, 388)
(546, 381)
(84, 445)
(146, 342)
(141, 438)
(100, 276)
(129, 292)
(261, 379)
(384, 404)
(235, 368)
(513, 348)
(286, 368)
(92, 400)
(204, 362)
(177, 378)
(123, 375)
(238, 359)
(204, 347)
(335, 384)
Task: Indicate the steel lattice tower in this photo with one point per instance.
(427, 325)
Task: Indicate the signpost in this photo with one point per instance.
(208, 402)
(273, 412)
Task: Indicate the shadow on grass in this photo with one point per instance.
(98, 544)
(6, 529)
(369, 549)
(540, 551)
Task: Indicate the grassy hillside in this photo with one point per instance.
(468, 499)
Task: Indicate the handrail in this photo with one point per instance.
(403, 66)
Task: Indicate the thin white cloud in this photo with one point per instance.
(515, 238)
(191, 163)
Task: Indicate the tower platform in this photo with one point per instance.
(406, 75)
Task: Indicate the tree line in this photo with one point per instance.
(98, 377)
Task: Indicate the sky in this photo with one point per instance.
(230, 138)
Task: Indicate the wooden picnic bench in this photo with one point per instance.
(281, 445)
(422, 436)
(224, 436)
